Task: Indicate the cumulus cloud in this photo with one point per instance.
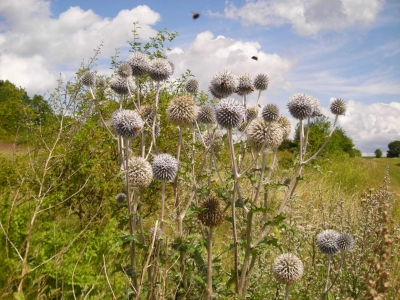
(307, 17)
(32, 41)
(371, 126)
(208, 54)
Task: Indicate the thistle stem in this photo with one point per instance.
(287, 291)
(209, 265)
(162, 203)
(327, 275)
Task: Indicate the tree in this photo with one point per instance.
(378, 153)
(394, 149)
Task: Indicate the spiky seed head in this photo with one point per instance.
(147, 112)
(242, 127)
(157, 131)
(285, 125)
(122, 86)
(213, 93)
(192, 86)
(127, 123)
(214, 137)
(101, 83)
(257, 134)
(182, 111)
(158, 233)
(223, 84)
(165, 167)
(160, 69)
(245, 84)
(230, 113)
(211, 213)
(206, 115)
(120, 199)
(261, 82)
(288, 268)
(316, 107)
(251, 113)
(172, 67)
(124, 70)
(338, 107)
(327, 242)
(300, 106)
(140, 63)
(88, 79)
(140, 173)
(345, 241)
(270, 112)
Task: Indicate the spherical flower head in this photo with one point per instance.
(206, 115)
(172, 67)
(214, 137)
(270, 112)
(251, 113)
(230, 113)
(345, 241)
(211, 213)
(147, 112)
(158, 233)
(165, 167)
(245, 84)
(182, 111)
(327, 242)
(260, 133)
(127, 123)
(140, 172)
(213, 93)
(261, 82)
(223, 84)
(285, 125)
(300, 106)
(140, 63)
(288, 268)
(157, 131)
(338, 107)
(192, 86)
(160, 69)
(120, 199)
(316, 107)
(242, 127)
(101, 83)
(124, 70)
(88, 79)
(122, 86)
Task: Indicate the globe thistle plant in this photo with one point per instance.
(122, 86)
(164, 167)
(287, 268)
(285, 125)
(147, 112)
(101, 83)
(251, 113)
(140, 172)
(127, 123)
(230, 113)
(182, 111)
(158, 233)
(264, 134)
(245, 84)
(124, 70)
(214, 137)
(192, 86)
(316, 107)
(120, 199)
(211, 213)
(172, 67)
(88, 79)
(327, 242)
(300, 106)
(160, 69)
(270, 112)
(345, 241)
(206, 115)
(261, 82)
(223, 84)
(140, 63)
(338, 107)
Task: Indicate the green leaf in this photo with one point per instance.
(19, 296)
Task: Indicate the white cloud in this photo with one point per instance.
(32, 42)
(307, 17)
(208, 55)
(371, 126)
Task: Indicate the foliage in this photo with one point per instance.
(394, 149)
(378, 153)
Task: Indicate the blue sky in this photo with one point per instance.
(347, 49)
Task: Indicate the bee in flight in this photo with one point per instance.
(254, 57)
(195, 15)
